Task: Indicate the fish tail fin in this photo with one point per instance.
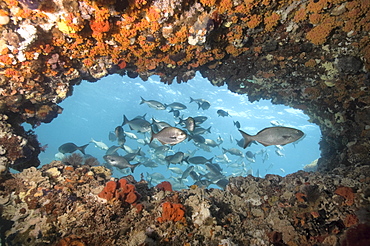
(181, 120)
(209, 129)
(142, 100)
(179, 180)
(191, 100)
(134, 166)
(82, 148)
(138, 150)
(165, 105)
(152, 135)
(170, 110)
(224, 150)
(247, 139)
(186, 159)
(125, 120)
(210, 160)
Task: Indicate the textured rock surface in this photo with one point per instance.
(312, 55)
(58, 205)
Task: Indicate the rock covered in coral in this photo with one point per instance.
(310, 55)
(61, 205)
(18, 149)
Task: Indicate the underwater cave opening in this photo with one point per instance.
(96, 109)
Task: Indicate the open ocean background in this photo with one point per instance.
(95, 109)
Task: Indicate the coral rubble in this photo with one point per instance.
(64, 205)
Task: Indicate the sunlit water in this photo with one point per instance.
(95, 109)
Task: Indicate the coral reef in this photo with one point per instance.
(76, 159)
(119, 190)
(62, 205)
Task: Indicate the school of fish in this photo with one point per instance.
(161, 137)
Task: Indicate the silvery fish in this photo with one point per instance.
(176, 170)
(156, 176)
(222, 183)
(276, 123)
(222, 113)
(198, 160)
(150, 163)
(161, 149)
(153, 104)
(112, 136)
(130, 135)
(190, 124)
(211, 143)
(200, 100)
(59, 156)
(214, 168)
(175, 106)
(201, 130)
(99, 145)
(169, 135)
(250, 156)
(204, 183)
(204, 105)
(71, 147)
(113, 150)
(176, 113)
(222, 158)
(131, 156)
(175, 158)
(119, 162)
(278, 135)
(203, 146)
(186, 173)
(279, 153)
(138, 124)
(196, 138)
(194, 176)
(237, 124)
(233, 151)
(120, 136)
(159, 125)
(199, 119)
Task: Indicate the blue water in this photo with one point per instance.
(95, 109)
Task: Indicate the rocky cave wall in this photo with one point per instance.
(312, 55)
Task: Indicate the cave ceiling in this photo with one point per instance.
(310, 55)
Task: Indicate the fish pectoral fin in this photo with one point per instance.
(287, 136)
(162, 142)
(264, 144)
